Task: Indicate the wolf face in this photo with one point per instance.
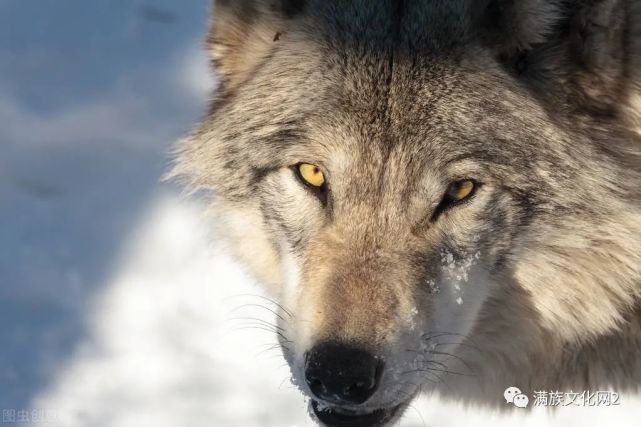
(435, 192)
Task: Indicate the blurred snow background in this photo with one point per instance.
(117, 307)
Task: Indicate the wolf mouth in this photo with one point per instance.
(335, 417)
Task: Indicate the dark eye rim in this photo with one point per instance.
(448, 203)
(320, 192)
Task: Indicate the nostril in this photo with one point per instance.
(360, 390)
(359, 387)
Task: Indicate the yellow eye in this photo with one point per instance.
(461, 190)
(311, 174)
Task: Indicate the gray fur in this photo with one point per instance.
(537, 100)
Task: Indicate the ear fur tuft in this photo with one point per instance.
(242, 33)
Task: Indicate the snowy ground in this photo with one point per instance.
(117, 307)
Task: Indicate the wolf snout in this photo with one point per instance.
(342, 374)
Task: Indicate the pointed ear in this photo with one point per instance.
(242, 33)
(582, 53)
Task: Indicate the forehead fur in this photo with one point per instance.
(375, 76)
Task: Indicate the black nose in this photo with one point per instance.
(342, 374)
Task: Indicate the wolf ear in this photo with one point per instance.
(579, 52)
(242, 32)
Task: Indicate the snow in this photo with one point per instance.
(169, 343)
(119, 308)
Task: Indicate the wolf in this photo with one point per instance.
(442, 196)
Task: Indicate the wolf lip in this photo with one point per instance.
(332, 417)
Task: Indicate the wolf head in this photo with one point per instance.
(428, 188)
